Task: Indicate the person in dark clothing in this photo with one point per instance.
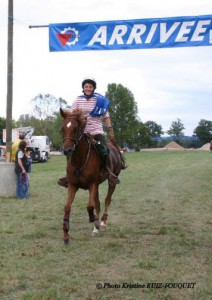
(21, 169)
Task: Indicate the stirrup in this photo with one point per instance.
(113, 179)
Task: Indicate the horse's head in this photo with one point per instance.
(72, 129)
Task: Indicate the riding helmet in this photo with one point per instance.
(91, 81)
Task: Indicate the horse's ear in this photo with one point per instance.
(62, 112)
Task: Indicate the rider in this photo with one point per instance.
(95, 107)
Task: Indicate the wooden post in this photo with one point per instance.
(9, 81)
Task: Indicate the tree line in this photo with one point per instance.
(130, 131)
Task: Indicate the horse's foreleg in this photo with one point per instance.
(66, 224)
(67, 209)
(94, 204)
(108, 199)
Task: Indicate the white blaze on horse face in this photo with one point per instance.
(69, 124)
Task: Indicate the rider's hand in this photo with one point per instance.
(111, 135)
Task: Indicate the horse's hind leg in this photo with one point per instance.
(96, 228)
(108, 199)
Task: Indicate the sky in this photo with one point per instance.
(167, 84)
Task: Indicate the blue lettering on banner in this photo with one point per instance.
(132, 34)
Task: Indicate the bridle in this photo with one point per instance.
(78, 136)
(76, 140)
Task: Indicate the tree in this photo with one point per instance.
(204, 131)
(154, 129)
(41, 126)
(45, 117)
(176, 128)
(45, 105)
(44, 109)
(56, 137)
(141, 136)
(123, 112)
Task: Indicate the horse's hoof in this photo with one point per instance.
(66, 240)
(103, 226)
(95, 231)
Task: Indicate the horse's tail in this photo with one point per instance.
(123, 161)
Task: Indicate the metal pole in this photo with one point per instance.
(9, 81)
(37, 26)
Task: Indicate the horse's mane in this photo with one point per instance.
(77, 114)
(73, 113)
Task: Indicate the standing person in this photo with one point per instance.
(95, 107)
(21, 168)
(16, 144)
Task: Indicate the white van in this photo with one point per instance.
(42, 144)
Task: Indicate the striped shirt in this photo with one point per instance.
(94, 124)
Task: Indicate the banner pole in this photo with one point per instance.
(37, 26)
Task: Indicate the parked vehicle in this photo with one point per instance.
(42, 143)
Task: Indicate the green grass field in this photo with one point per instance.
(158, 244)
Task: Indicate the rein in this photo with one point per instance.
(78, 172)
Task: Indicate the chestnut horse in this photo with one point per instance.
(84, 169)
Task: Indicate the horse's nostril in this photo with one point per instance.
(67, 152)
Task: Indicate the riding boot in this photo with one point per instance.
(63, 182)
